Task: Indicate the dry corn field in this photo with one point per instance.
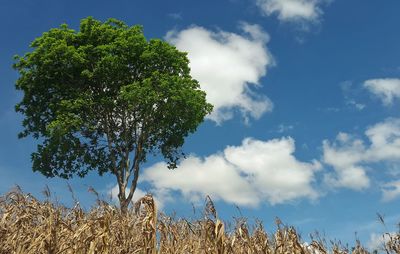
(28, 225)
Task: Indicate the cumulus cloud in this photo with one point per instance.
(386, 89)
(344, 155)
(228, 65)
(254, 172)
(350, 156)
(291, 10)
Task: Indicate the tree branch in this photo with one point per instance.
(135, 168)
(115, 171)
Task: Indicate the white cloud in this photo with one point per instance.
(350, 157)
(227, 65)
(254, 172)
(377, 241)
(386, 89)
(385, 140)
(391, 191)
(291, 10)
(344, 155)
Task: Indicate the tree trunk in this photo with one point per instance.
(123, 203)
(123, 180)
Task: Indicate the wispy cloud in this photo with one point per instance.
(284, 128)
(351, 92)
(356, 105)
(175, 15)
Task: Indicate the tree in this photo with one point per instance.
(103, 98)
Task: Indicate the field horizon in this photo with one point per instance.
(29, 225)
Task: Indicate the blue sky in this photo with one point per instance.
(306, 123)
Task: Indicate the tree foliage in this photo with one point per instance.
(103, 98)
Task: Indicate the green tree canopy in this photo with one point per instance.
(103, 98)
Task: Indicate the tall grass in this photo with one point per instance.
(28, 225)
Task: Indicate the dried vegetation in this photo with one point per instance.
(28, 225)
